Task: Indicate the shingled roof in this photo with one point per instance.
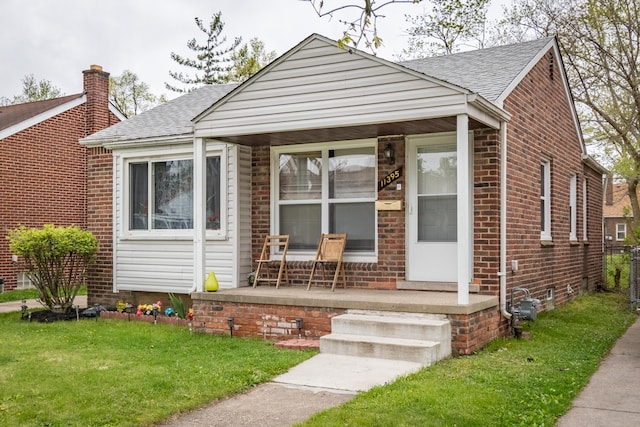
(172, 118)
(488, 72)
(14, 114)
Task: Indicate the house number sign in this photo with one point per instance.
(396, 174)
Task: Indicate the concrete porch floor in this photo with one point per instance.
(361, 299)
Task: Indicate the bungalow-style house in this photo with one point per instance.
(458, 180)
(44, 170)
(616, 211)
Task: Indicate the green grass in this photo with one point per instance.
(509, 383)
(18, 295)
(111, 372)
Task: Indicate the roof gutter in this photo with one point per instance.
(593, 164)
(488, 107)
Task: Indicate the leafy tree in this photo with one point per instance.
(212, 60)
(604, 57)
(361, 25)
(33, 90)
(448, 25)
(532, 19)
(129, 94)
(248, 60)
(56, 259)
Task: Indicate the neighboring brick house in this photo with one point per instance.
(43, 168)
(617, 208)
(490, 184)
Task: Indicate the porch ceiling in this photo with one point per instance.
(414, 127)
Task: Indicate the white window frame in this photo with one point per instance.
(545, 221)
(621, 227)
(324, 147)
(584, 210)
(573, 202)
(159, 155)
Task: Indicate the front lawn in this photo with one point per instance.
(111, 372)
(509, 383)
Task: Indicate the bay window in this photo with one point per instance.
(327, 190)
(161, 194)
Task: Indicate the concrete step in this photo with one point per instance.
(419, 351)
(415, 285)
(413, 326)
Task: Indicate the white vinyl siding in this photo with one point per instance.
(163, 260)
(325, 86)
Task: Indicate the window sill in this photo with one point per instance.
(585, 242)
(547, 243)
(574, 243)
(364, 258)
(169, 236)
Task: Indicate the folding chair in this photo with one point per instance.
(330, 251)
(265, 263)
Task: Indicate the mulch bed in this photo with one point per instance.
(48, 316)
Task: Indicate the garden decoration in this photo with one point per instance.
(211, 284)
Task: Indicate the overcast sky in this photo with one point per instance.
(57, 39)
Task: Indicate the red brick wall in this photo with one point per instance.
(262, 320)
(542, 127)
(486, 214)
(43, 174)
(391, 227)
(100, 220)
(471, 332)
(44, 170)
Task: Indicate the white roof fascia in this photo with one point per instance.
(117, 112)
(593, 164)
(32, 121)
(148, 142)
(486, 112)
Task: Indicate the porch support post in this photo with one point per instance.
(199, 230)
(464, 208)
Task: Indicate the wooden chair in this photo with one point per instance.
(329, 255)
(266, 263)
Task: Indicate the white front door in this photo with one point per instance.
(432, 234)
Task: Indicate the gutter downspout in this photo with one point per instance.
(502, 274)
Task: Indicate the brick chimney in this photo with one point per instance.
(96, 87)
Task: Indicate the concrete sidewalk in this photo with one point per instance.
(612, 397)
(8, 307)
